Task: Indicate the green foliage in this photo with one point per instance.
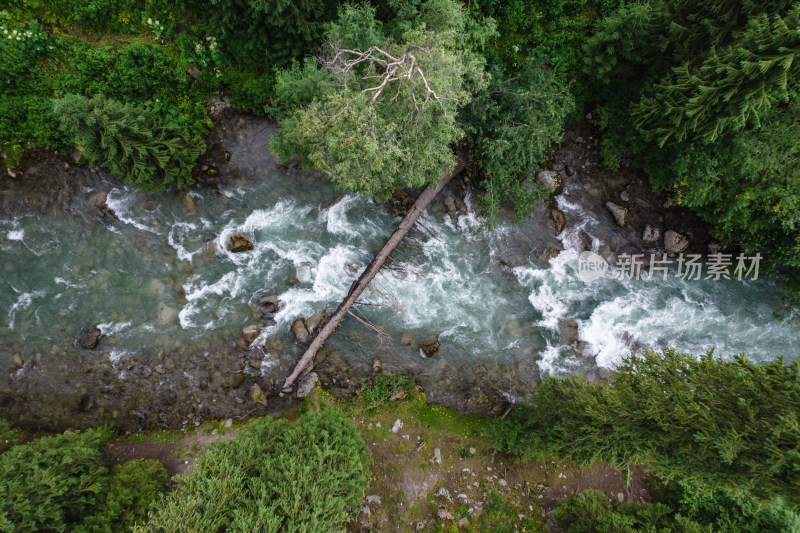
(591, 512)
(735, 85)
(729, 425)
(378, 390)
(8, 435)
(131, 488)
(621, 45)
(59, 483)
(509, 128)
(725, 513)
(304, 477)
(406, 132)
(133, 142)
(139, 72)
(262, 34)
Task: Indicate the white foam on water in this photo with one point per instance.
(112, 328)
(71, 285)
(15, 235)
(177, 233)
(121, 202)
(24, 301)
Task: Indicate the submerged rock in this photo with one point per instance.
(674, 242)
(430, 345)
(89, 338)
(568, 331)
(239, 243)
(300, 331)
(407, 338)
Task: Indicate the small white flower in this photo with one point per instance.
(150, 21)
(156, 23)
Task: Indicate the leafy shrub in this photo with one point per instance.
(59, 483)
(510, 127)
(133, 142)
(380, 388)
(304, 477)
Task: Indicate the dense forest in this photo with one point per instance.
(703, 96)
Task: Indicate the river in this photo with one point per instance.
(159, 280)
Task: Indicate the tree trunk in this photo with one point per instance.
(371, 271)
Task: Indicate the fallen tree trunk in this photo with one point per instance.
(371, 271)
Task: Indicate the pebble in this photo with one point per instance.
(373, 498)
(397, 426)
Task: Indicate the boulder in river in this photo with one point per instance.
(88, 338)
(430, 345)
(674, 242)
(619, 213)
(315, 321)
(267, 305)
(239, 243)
(550, 179)
(651, 234)
(568, 331)
(300, 331)
(555, 221)
(250, 333)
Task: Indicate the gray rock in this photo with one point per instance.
(300, 331)
(315, 321)
(397, 426)
(651, 235)
(444, 514)
(550, 179)
(555, 221)
(89, 338)
(250, 333)
(437, 456)
(444, 493)
(239, 243)
(430, 345)
(674, 242)
(619, 213)
(373, 498)
(625, 196)
(568, 331)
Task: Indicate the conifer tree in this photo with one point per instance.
(717, 425)
(734, 87)
(131, 141)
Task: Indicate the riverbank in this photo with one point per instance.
(432, 470)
